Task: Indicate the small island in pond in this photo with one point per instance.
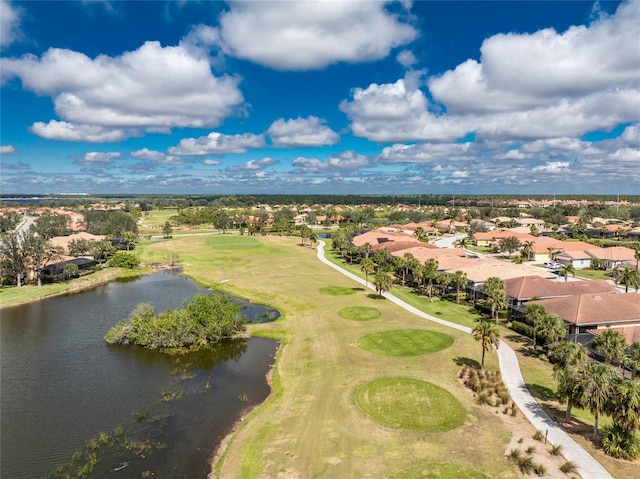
(205, 320)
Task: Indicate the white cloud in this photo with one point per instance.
(520, 70)
(301, 132)
(406, 58)
(553, 167)
(8, 150)
(65, 131)
(397, 112)
(253, 165)
(211, 162)
(540, 85)
(157, 157)
(151, 89)
(348, 160)
(309, 35)
(218, 144)
(9, 23)
(96, 158)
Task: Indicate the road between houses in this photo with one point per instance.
(587, 466)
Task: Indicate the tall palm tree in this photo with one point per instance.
(534, 313)
(598, 383)
(367, 266)
(570, 387)
(487, 333)
(611, 344)
(566, 270)
(496, 296)
(382, 282)
(460, 281)
(527, 248)
(430, 272)
(461, 242)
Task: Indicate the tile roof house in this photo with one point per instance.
(595, 311)
(612, 257)
(383, 235)
(522, 289)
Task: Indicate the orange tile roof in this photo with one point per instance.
(527, 287)
(594, 309)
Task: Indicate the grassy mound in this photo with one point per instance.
(405, 342)
(410, 404)
(337, 290)
(360, 313)
(233, 242)
(438, 471)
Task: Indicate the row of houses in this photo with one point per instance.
(587, 306)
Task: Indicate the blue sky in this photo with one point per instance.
(346, 97)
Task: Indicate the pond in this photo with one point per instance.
(62, 387)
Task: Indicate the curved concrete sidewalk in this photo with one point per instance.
(587, 466)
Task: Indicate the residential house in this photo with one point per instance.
(612, 257)
(585, 312)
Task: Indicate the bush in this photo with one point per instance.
(620, 443)
(568, 467)
(206, 319)
(522, 328)
(122, 259)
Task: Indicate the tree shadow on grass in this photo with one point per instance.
(541, 392)
(358, 289)
(472, 363)
(375, 296)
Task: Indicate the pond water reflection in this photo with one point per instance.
(61, 385)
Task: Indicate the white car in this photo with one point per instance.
(552, 265)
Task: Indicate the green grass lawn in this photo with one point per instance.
(360, 313)
(438, 471)
(310, 426)
(337, 290)
(593, 274)
(410, 404)
(405, 342)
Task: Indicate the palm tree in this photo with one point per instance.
(567, 355)
(400, 265)
(527, 248)
(367, 266)
(611, 344)
(628, 277)
(566, 270)
(534, 313)
(570, 387)
(598, 382)
(430, 272)
(382, 282)
(461, 242)
(552, 328)
(418, 233)
(487, 333)
(496, 296)
(460, 281)
(625, 407)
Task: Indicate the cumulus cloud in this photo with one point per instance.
(65, 131)
(210, 162)
(151, 89)
(253, 165)
(311, 34)
(218, 144)
(157, 157)
(9, 23)
(301, 132)
(347, 160)
(406, 58)
(553, 167)
(20, 166)
(8, 150)
(540, 85)
(96, 158)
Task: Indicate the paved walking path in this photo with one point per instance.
(587, 466)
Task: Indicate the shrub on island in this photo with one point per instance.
(122, 259)
(204, 321)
